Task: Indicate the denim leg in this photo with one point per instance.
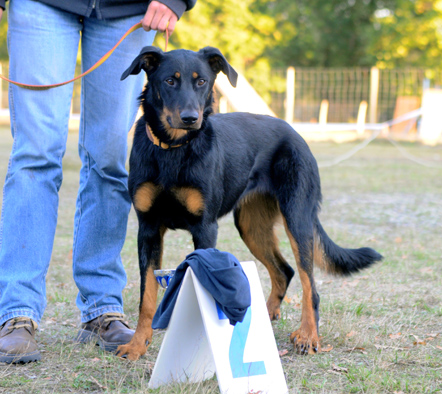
(43, 45)
(109, 107)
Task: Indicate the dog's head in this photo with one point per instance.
(180, 84)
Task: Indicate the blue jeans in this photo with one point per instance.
(43, 43)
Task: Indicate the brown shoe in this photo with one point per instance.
(17, 342)
(108, 331)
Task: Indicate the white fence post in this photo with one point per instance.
(290, 95)
(362, 114)
(223, 105)
(374, 92)
(323, 112)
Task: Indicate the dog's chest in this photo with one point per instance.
(149, 196)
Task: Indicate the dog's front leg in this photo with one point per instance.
(204, 235)
(150, 250)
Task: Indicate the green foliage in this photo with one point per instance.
(346, 33)
(230, 25)
(409, 35)
(237, 29)
(327, 33)
(3, 32)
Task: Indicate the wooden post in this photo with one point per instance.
(362, 114)
(323, 112)
(374, 92)
(290, 96)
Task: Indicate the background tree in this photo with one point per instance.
(408, 35)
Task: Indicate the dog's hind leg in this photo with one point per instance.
(295, 179)
(255, 219)
(305, 339)
(150, 250)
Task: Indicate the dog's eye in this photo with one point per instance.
(170, 81)
(201, 82)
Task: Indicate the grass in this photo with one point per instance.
(384, 325)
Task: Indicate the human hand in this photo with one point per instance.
(1, 13)
(159, 17)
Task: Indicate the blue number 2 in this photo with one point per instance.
(239, 368)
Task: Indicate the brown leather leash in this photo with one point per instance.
(96, 65)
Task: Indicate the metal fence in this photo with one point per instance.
(387, 92)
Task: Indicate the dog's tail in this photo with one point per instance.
(337, 260)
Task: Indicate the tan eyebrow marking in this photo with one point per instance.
(177, 75)
(195, 74)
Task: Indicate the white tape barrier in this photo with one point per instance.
(200, 342)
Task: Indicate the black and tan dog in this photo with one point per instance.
(188, 167)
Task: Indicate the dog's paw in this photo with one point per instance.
(305, 344)
(131, 351)
(273, 308)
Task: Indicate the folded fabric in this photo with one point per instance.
(223, 277)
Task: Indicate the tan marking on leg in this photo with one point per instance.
(145, 196)
(191, 198)
(137, 346)
(256, 220)
(306, 338)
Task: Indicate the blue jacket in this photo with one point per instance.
(220, 274)
(109, 9)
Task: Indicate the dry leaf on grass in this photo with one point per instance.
(439, 347)
(326, 349)
(283, 352)
(353, 283)
(351, 334)
(395, 336)
(418, 341)
(336, 368)
(427, 270)
(98, 383)
(294, 300)
(353, 349)
(390, 347)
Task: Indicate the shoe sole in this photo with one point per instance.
(85, 336)
(20, 358)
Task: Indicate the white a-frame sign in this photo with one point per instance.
(200, 342)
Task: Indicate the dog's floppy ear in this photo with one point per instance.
(148, 59)
(219, 63)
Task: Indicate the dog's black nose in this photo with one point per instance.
(189, 117)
